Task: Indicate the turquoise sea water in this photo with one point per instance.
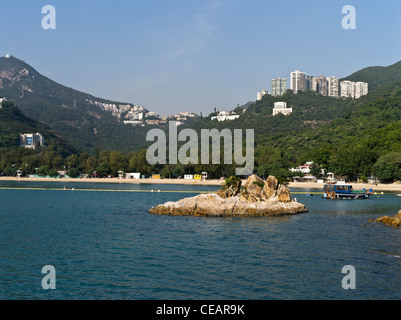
(105, 245)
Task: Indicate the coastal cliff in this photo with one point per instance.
(257, 198)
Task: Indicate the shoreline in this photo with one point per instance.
(395, 187)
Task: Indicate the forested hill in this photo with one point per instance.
(377, 76)
(13, 122)
(66, 110)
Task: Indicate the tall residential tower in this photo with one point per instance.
(298, 81)
(279, 87)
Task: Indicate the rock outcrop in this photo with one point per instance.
(258, 198)
(390, 221)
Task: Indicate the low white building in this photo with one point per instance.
(188, 176)
(133, 122)
(305, 169)
(281, 107)
(1, 102)
(133, 175)
(224, 116)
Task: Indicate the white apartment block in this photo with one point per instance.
(332, 87)
(281, 107)
(361, 89)
(354, 90)
(298, 81)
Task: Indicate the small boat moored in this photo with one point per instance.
(345, 191)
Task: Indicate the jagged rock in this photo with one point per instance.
(254, 186)
(283, 194)
(258, 198)
(232, 190)
(390, 221)
(213, 205)
(270, 188)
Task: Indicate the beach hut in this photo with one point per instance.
(155, 176)
(197, 177)
(132, 176)
(188, 177)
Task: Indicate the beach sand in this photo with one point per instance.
(394, 187)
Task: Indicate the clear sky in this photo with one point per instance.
(194, 55)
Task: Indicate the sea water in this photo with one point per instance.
(103, 244)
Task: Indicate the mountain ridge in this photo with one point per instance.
(66, 110)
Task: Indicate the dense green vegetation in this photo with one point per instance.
(377, 76)
(13, 122)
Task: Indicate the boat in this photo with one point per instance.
(345, 191)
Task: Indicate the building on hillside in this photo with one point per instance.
(305, 169)
(310, 83)
(260, 95)
(332, 87)
(281, 107)
(321, 85)
(298, 81)
(224, 115)
(30, 140)
(361, 89)
(1, 102)
(354, 90)
(278, 87)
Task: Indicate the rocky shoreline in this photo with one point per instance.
(390, 221)
(257, 198)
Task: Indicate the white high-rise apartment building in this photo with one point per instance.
(278, 86)
(332, 86)
(361, 89)
(347, 89)
(321, 85)
(354, 90)
(298, 81)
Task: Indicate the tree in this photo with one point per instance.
(315, 170)
(73, 173)
(388, 167)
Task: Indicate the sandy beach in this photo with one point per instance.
(394, 187)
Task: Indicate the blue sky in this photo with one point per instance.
(194, 55)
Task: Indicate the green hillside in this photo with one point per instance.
(65, 109)
(377, 76)
(13, 122)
